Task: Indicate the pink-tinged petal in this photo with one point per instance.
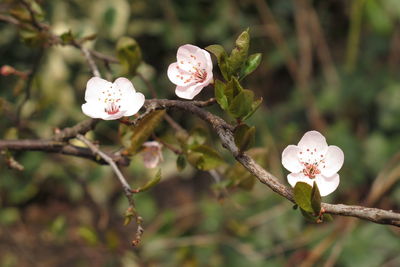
(94, 87)
(313, 147)
(189, 55)
(290, 159)
(178, 76)
(124, 85)
(152, 144)
(208, 61)
(294, 178)
(92, 110)
(134, 106)
(151, 154)
(313, 139)
(115, 116)
(333, 161)
(327, 185)
(188, 92)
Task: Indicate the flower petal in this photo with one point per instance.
(94, 87)
(313, 147)
(294, 178)
(188, 92)
(93, 110)
(115, 116)
(208, 61)
(327, 185)
(313, 139)
(124, 85)
(190, 55)
(334, 159)
(290, 159)
(178, 76)
(134, 105)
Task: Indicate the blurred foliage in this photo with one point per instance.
(62, 210)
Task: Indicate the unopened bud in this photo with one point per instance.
(7, 70)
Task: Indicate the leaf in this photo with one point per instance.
(67, 37)
(232, 89)
(302, 196)
(254, 106)
(247, 183)
(239, 53)
(315, 199)
(204, 158)
(244, 137)
(327, 217)
(151, 183)
(197, 136)
(222, 59)
(129, 54)
(241, 104)
(239, 176)
(180, 162)
(143, 129)
(309, 216)
(219, 88)
(129, 214)
(252, 62)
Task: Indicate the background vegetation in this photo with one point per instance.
(330, 65)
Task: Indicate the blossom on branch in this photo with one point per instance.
(313, 160)
(111, 101)
(151, 154)
(192, 71)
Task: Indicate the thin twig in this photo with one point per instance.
(91, 63)
(127, 188)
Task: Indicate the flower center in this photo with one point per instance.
(112, 108)
(200, 75)
(311, 170)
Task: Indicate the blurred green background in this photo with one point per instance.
(330, 65)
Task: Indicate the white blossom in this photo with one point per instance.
(313, 160)
(192, 71)
(111, 101)
(151, 154)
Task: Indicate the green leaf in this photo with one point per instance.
(327, 217)
(143, 129)
(239, 53)
(88, 234)
(252, 62)
(239, 176)
(309, 215)
(197, 136)
(232, 89)
(180, 162)
(129, 54)
(302, 196)
(222, 59)
(244, 137)
(151, 183)
(241, 104)
(222, 100)
(204, 158)
(129, 214)
(315, 199)
(247, 183)
(67, 37)
(254, 106)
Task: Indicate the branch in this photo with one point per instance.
(224, 132)
(127, 188)
(80, 128)
(53, 146)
